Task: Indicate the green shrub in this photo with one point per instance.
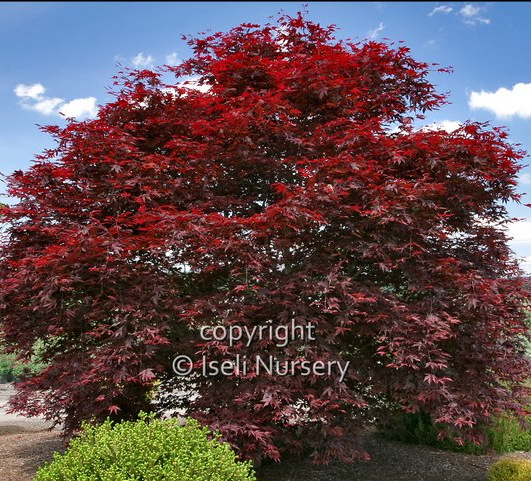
(11, 368)
(146, 450)
(505, 435)
(415, 428)
(418, 428)
(7, 364)
(510, 470)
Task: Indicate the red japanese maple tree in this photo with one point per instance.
(283, 183)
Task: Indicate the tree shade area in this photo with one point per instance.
(278, 181)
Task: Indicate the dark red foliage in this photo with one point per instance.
(292, 187)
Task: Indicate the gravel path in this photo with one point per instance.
(13, 424)
(390, 461)
(24, 443)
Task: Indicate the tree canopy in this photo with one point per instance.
(278, 178)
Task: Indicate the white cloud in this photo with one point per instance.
(504, 103)
(520, 234)
(520, 231)
(45, 106)
(34, 91)
(448, 125)
(469, 10)
(142, 61)
(476, 20)
(172, 59)
(525, 264)
(445, 9)
(471, 14)
(33, 98)
(85, 107)
(525, 178)
(373, 34)
(193, 83)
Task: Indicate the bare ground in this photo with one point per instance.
(25, 444)
(390, 461)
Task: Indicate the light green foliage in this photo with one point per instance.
(510, 470)
(507, 435)
(146, 450)
(11, 367)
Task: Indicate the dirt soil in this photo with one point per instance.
(390, 461)
(26, 443)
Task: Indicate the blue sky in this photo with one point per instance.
(61, 57)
